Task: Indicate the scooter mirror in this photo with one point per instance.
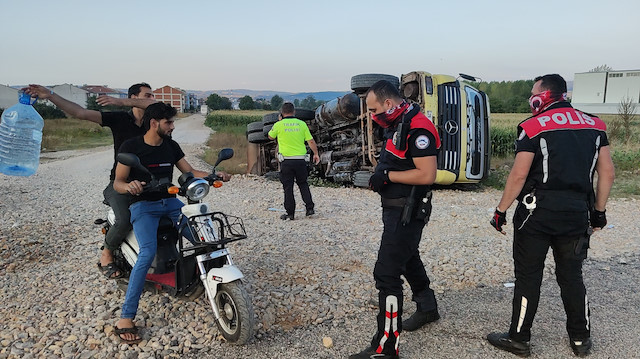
(131, 160)
(224, 154)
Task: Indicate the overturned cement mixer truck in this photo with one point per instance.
(350, 142)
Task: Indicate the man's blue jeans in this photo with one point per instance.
(145, 217)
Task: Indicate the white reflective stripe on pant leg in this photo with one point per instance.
(545, 159)
(595, 159)
(586, 311)
(523, 312)
(390, 319)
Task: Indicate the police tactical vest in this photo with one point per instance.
(395, 159)
(566, 143)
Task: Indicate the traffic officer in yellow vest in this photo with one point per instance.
(403, 176)
(291, 134)
(557, 152)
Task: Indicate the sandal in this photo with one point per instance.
(133, 330)
(110, 271)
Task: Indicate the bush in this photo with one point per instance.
(626, 160)
(48, 111)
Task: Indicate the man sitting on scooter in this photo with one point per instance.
(158, 153)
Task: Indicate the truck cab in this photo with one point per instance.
(461, 114)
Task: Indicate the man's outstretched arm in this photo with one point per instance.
(71, 108)
(143, 103)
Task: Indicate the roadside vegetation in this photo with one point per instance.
(70, 134)
(61, 133)
(230, 131)
(623, 131)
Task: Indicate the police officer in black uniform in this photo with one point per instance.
(557, 151)
(403, 177)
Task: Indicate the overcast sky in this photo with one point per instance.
(306, 46)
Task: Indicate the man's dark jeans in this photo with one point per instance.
(120, 204)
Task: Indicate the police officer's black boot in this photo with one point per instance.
(419, 319)
(503, 341)
(370, 353)
(581, 347)
(286, 217)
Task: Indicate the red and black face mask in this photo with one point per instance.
(544, 99)
(390, 117)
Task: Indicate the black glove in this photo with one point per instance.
(499, 219)
(598, 219)
(378, 180)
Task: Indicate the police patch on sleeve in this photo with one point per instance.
(422, 142)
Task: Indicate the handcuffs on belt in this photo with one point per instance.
(529, 201)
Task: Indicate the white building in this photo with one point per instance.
(8, 96)
(72, 93)
(601, 92)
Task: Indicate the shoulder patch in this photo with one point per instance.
(422, 142)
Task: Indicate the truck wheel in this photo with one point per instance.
(361, 83)
(270, 118)
(361, 178)
(257, 137)
(266, 130)
(304, 114)
(236, 313)
(254, 127)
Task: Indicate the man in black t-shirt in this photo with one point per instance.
(158, 153)
(123, 125)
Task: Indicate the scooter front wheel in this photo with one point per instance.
(236, 312)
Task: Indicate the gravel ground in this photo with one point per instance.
(308, 279)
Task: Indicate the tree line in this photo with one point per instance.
(217, 102)
(507, 96)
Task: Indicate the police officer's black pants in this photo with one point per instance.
(398, 255)
(120, 204)
(529, 251)
(291, 170)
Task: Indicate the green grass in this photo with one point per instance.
(230, 131)
(70, 134)
(625, 152)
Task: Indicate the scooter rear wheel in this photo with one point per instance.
(236, 313)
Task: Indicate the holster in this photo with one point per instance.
(424, 208)
(408, 208)
(582, 244)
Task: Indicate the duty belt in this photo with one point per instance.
(393, 202)
(563, 194)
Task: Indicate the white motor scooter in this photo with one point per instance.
(186, 268)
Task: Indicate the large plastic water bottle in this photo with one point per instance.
(20, 138)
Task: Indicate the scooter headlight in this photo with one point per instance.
(197, 190)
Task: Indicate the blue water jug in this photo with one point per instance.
(20, 138)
